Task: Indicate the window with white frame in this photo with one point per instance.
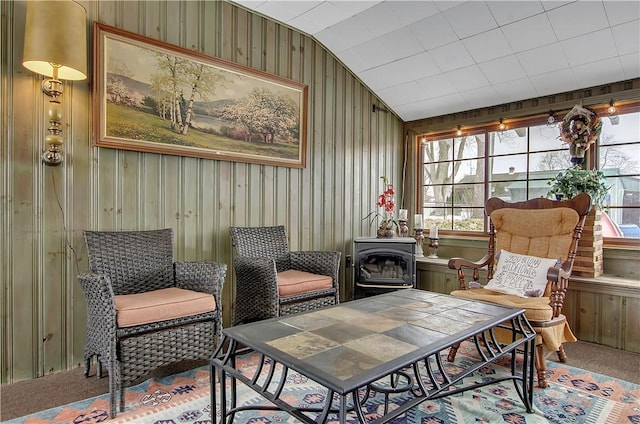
(459, 173)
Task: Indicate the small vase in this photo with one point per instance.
(387, 227)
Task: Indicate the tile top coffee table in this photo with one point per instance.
(357, 345)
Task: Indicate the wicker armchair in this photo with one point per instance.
(541, 228)
(145, 311)
(272, 281)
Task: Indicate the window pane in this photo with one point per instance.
(549, 161)
(469, 171)
(506, 167)
(625, 131)
(472, 221)
(438, 173)
(467, 195)
(623, 158)
(509, 141)
(437, 150)
(469, 147)
(544, 137)
(623, 191)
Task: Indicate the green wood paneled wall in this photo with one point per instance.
(45, 209)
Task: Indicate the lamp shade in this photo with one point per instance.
(56, 33)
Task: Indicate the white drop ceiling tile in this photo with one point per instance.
(470, 18)
(631, 65)
(319, 18)
(452, 56)
(411, 11)
(411, 68)
(284, 11)
(349, 32)
(468, 78)
(352, 8)
(331, 40)
(515, 90)
(410, 113)
(529, 33)
(480, 97)
(599, 43)
(447, 4)
(378, 19)
(487, 46)
(627, 37)
(400, 43)
(376, 78)
(554, 82)
(619, 12)
(433, 32)
(506, 12)
(357, 58)
(437, 86)
(603, 72)
(251, 4)
(430, 107)
(402, 93)
(577, 18)
(543, 59)
(504, 69)
(554, 4)
(450, 102)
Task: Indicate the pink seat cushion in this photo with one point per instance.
(161, 305)
(294, 282)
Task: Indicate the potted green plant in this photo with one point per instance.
(576, 180)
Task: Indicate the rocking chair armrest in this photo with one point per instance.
(459, 263)
(205, 277)
(559, 275)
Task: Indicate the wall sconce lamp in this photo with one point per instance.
(501, 125)
(613, 113)
(459, 131)
(55, 45)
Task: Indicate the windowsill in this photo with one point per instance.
(602, 284)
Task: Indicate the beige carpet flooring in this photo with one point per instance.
(27, 397)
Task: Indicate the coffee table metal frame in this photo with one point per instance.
(407, 375)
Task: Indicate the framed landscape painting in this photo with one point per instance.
(155, 97)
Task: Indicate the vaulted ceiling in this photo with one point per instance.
(428, 58)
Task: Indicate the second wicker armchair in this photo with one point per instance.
(272, 281)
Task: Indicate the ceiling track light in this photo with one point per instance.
(551, 119)
(459, 131)
(614, 118)
(501, 125)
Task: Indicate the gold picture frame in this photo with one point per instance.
(152, 96)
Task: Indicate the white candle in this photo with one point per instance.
(433, 232)
(417, 221)
(402, 215)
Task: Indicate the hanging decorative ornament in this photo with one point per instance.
(580, 128)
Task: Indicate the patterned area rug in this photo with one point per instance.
(573, 396)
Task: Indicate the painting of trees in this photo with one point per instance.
(163, 98)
